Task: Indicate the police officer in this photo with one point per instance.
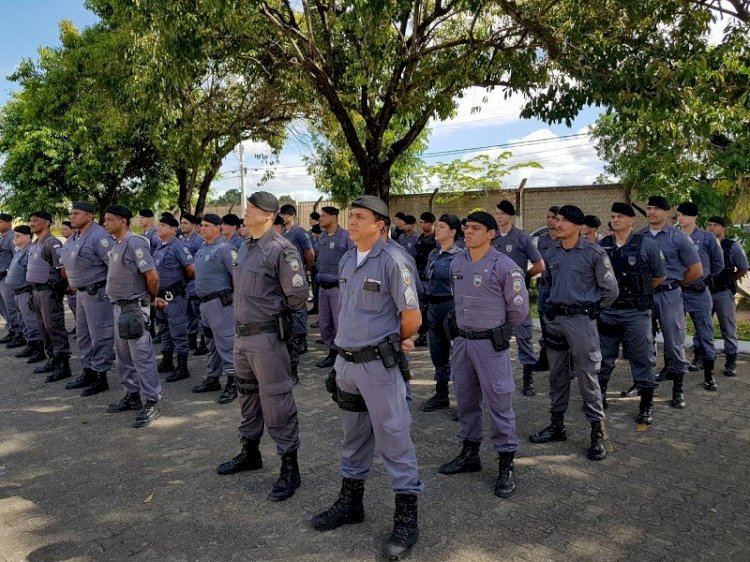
(696, 297)
(379, 312)
(440, 306)
(544, 243)
(398, 226)
(132, 284)
(8, 307)
(148, 228)
(581, 283)
(590, 228)
(85, 256)
(410, 236)
(189, 226)
(66, 231)
(314, 232)
(175, 267)
(49, 286)
(214, 263)
(491, 298)
(424, 245)
(723, 288)
(333, 243)
(639, 269)
(230, 224)
(16, 281)
(270, 284)
(683, 267)
(518, 246)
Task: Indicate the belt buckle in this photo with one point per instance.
(348, 355)
(168, 296)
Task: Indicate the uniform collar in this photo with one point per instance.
(268, 235)
(452, 250)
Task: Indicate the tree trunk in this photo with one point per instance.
(208, 177)
(376, 179)
(183, 197)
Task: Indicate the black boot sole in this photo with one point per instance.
(94, 390)
(353, 519)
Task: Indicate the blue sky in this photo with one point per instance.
(25, 25)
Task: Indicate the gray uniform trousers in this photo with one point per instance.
(440, 343)
(480, 372)
(219, 319)
(51, 317)
(726, 312)
(136, 364)
(574, 338)
(72, 303)
(700, 308)
(300, 322)
(174, 338)
(386, 426)
(329, 307)
(29, 318)
(95, 331)
(632, 327)
(12, 314)
(523, 335)
(672, 323)
(264, 384)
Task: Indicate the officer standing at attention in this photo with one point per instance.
(491, 299)
(410, 236)
(333, 243)
(424, 245)
(683, 267)
(148, 228)
(8, 307)
(230, 225)
(544, 243)
(440, 306)
(16, 280)
(518, 246)
(379, 313)
(696, 297)
(175, 267)
(132, 284)
(85, 256)
(581, 283)
(66, 231)
(314, 232)
(723, 288)
(639, 269)
(270, 285)
(189, 226)
(214, 263)
(49, 286)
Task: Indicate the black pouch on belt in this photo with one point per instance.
(226, 297)
(131, 325)
(501, 337)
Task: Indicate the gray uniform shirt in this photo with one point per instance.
(373, 295)
(214, 264)
(331, 248)
(153, 238)
(580, 276)
(16, 278)
(300, 238)
(44, 260)
(86, 257)
(268, 279)
(677, 249)
(7, 249)
(409, 241)
(518, 246)
(129, 259)
(544, 243)
(194, 242)
(171, 259)
(709, 251)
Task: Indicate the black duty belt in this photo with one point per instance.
(667, 287)
(94, 287)
(210, 296)
(255, 329)
(41, 286)
(22, 290)
(174, 290)
(328, 284)
(698, 288)
(631, 303)
(564, 310)
(363, 355)
(475, 335)
(437, 299)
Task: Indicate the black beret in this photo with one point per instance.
(212, 218)
(553, 209)
(333, 211)
(42, 215)
(264, 201)
(658, 201)
(6, 217)
(124, 212)
(169, 220)
(372, 203)
(192, 219)
(452, 221)
(23, 229)
(233, 220)
(572, 214)
(84, 206)
(145, 213)
(427, 217)
(315, 215)
(316, 229)
(483, 218)
(592, 221)
(68, 224)
(400, 215)
(166, 214)
(623, 209)
(688, 208)
(410, 219)
(507, 207)
(718, 220)
(278, 221)
(287, 209)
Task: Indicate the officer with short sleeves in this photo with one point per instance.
(230, 225)
(16, 281)
(270, 285)
(544, 243)
(581, 283)
(410, 236)
(190, 226)
(8, 308)
(148, 229)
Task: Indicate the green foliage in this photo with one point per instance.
(229, 197)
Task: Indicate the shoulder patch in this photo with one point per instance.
(291, 256)
(104, 242)
(406, 276)
(139, 253)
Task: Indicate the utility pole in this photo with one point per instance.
(243, 203)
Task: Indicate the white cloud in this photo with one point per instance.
(493, 110)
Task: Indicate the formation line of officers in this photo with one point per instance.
(460, 284)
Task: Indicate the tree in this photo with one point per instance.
(229, 197)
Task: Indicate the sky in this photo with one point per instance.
(566, 154)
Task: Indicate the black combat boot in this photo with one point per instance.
(597, 452)
(295, 375)
(62, 369)
(100, 384)
(27, 351)
(467, 460)
(528, 381)
(230, 391)
(248, 459)
(192, 341)
(149, 413)
(48, 367)
(166, 365)
(631, 392)
(678, 398)
(202, 349)
(131, 401)
(181, 372)
(505, 485)
(9, 337)
(697, 364)
(553, 432)
(405, 531)
(708, 375)
(209, 384)
(646, 408)
(289, 478)
(346, 510)
(440, 400)
(17, 341)
(543, 363)
(328, 361)
(730, 365)
(82, 381)
(36, 353)
(421, 341)
(603, 387)
(300, 343)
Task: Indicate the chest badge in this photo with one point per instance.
(631, 260)
(509, 248)
(331, 245)
(477, 280)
